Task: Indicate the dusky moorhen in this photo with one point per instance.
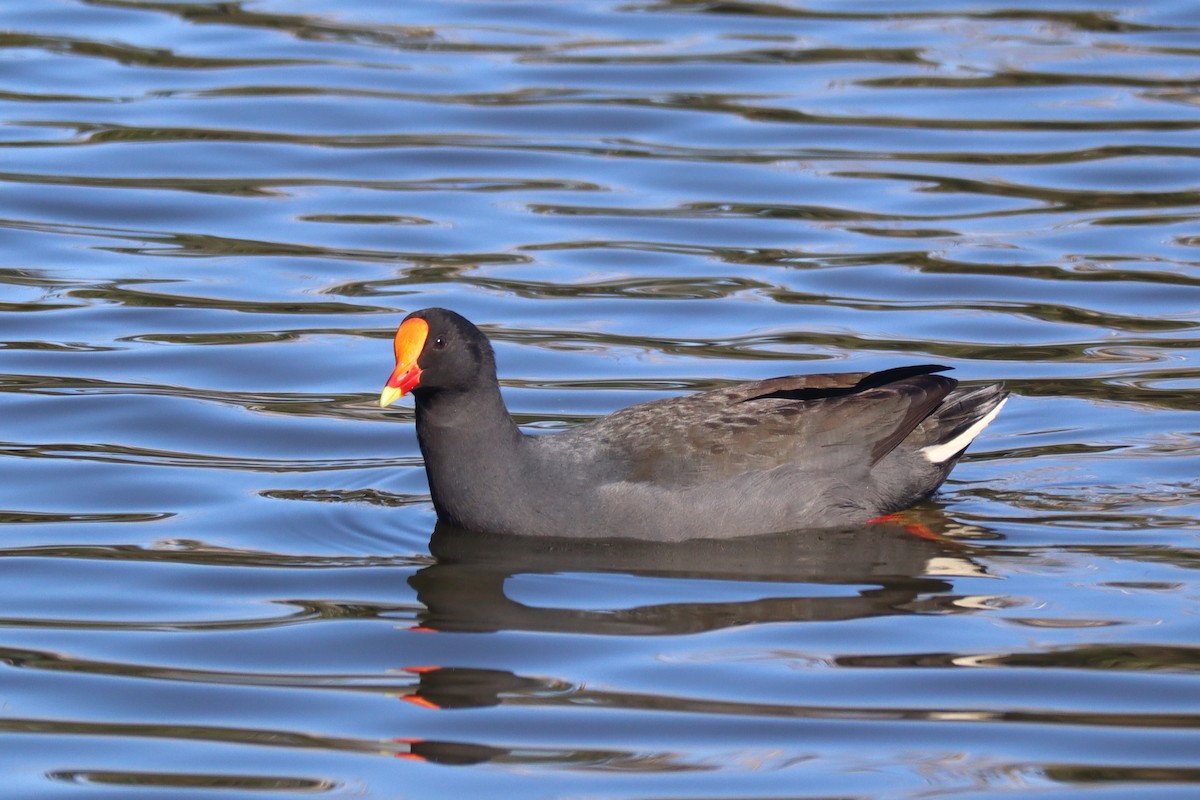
(801, 451)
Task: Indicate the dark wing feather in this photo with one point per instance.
(824, 422)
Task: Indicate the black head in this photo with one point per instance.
(438, 350)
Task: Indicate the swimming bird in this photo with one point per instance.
(787, 453)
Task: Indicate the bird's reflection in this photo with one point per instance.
(885, 568)
(871, 570)
(464, 754)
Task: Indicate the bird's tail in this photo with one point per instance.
(961, 417)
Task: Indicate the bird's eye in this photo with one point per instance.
(439, 342)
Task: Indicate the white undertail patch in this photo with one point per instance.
(937, 453)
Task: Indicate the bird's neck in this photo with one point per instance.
(478, 458)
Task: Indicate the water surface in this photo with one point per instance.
(221, 575)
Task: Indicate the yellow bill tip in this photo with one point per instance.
(389, 395)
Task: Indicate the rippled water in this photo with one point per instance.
(218, 577)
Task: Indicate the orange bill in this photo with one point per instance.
(410, 341)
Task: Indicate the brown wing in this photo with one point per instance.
(822, 422)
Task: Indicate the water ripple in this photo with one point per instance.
(219, 548)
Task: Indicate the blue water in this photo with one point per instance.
(218, 578)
